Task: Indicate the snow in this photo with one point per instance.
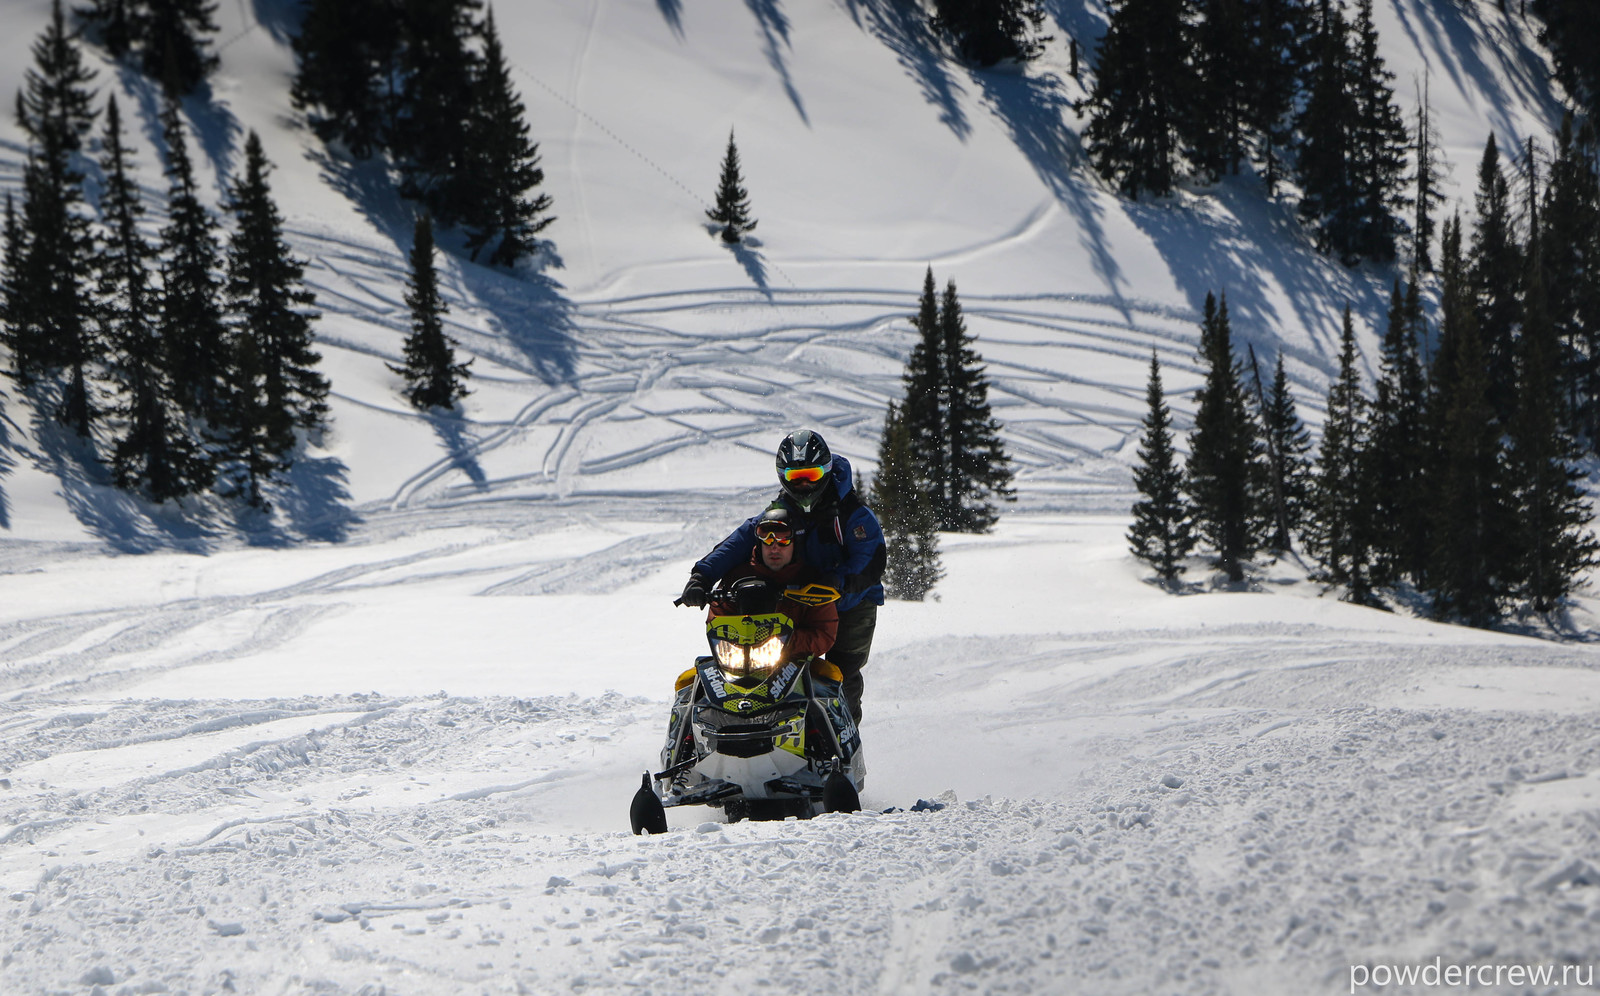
(391, 748)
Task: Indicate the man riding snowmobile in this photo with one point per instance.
(839, 537)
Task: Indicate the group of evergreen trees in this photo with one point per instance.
(426, 82)
(168, 36)
(987, 31)
(1457, 475)
(1200, 87)
(941, 465)
(193, 357)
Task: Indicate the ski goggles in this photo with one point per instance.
(811, 474)
(771, 536)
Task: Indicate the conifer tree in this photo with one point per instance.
(1340, 535)
(1429, 172)
(1471, 560)
(505, 167)
(1144, 81)
(987, 31)
(433, 136)
(190, 324)
(732, 210)
(433, 377)
(1379, 145)
(12, 299)
(347, 53)
(51, 317)
(923, 411)
(1396, 452)
(979, 470)
(899, 498)
(1326, 124)
(1553, 543)
(174, 47)
(154, 450)
(1224, 449)
(1569, 244)
(112, 23)
(1276, 33)
(1287, 441)
(1495, 273)
(1219, 108)
(275, 385)
(1162, 534)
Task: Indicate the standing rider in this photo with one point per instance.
(840, 539)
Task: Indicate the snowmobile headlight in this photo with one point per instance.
(739, 661)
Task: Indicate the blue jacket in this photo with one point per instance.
(841, 541)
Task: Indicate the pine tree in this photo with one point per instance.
(1570, 28)
(1144, 81)
(52, 323)
(1396, 452)
(1276, 33)
(275, 386)
(1326, 124)
(899, 498)
(1553, 544)
(505, 165)
(191, 329)
(1224, 449)
(1219, 108)
(172, 35)
(1569, 245)
(1495, 275)
(1162, 534)
(347, 52)
(987, 31)
(1340, 535)
(1379, 143)
(433, 377)
(1287, 441)
(433, 135)
(923, 411)
(732, 211)
(13, 298)
(1469, 568)
(1430, 170)
(979, 470)
(112, 23)
(154, 451)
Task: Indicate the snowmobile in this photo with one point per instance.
(751, 732)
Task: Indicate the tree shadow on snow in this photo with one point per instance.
(125, 522)
(315, 499)
(672, 13)
(281, 18)
(462, 450)
(531, 328)
(904, 29)
(775, 34)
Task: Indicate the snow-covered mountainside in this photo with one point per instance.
(392, 749)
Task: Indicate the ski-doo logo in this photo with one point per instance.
(713, 679)
(781, 681)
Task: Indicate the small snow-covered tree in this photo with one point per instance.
(1162, 534)
(732, 210)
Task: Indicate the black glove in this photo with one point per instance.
(694, 593)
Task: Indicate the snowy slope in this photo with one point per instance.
(391, 748)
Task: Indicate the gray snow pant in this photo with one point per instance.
(850, 650)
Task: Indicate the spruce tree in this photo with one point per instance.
(1287, 441)
(1340, 534)
(1224, 449)
(112, 23)
(154, 450)
(1276, 33)
(173, 41)
(979, 470)
(1569, 246)
(1162, 534)
(1379, 143)
(1495, 273)
(1143, 84)
(1553, 544)
(347, 52)
(1430, 170)
(1471, 555)
(1326, 125)
(434, 380)
(275, 385)
(1220, 107)
(13, 299)
(923, 411)
(899, 498)
(732, 210)
(987, 31)
(432, 138)
(1396, 451)
(52, 323)
(505, 165)
(191, 329)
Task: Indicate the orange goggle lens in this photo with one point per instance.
(812, 474)
(769, 538)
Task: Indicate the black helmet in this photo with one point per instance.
(804, 463)
(774, 520)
